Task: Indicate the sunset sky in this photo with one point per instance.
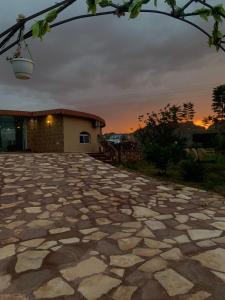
(115, 68)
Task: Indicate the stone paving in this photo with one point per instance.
(74, 228)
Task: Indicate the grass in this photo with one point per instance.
(213, 180)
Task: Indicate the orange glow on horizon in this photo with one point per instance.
(199, 122)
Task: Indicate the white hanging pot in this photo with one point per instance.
(22, 67)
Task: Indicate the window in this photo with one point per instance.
(85, 138)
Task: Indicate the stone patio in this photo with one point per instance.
(74, 228)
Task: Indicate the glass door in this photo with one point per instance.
(11, 134)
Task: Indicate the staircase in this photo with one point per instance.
(102, 157)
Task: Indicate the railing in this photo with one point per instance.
(110, 151)
(122, 152)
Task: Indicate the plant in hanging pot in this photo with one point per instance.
(22, 66)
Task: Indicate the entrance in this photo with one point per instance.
(12, 137)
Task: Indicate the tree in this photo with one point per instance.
(218, 99)
(188, 112)
(160, 142)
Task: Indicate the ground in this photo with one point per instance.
(76, 228)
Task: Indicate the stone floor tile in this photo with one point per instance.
(7, 251)
(125, 261)
(128, 243)
(153, 265)
(85, 268)
(56, 287)
(213, 259)
(124, 292)
(30, 260)
(203, 234)
(95, 286)
(173, 282)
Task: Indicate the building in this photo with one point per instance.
(57, 130)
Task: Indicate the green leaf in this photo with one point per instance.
(204, 13)
(92, 6)
(135, 8)
(35, 29)
(51, 16)
(105, 3)
(171, 3)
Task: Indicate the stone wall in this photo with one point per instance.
(45, 134)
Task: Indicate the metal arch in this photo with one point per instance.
(10, 32)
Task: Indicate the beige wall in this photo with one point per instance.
(72, 129)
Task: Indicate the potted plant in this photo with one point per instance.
(22, 66)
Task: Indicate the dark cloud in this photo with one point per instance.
(117, 68)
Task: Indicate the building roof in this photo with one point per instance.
(64, 112)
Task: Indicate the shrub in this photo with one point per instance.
(192, 170)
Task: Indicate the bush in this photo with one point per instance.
(192, 170)
(162, 156)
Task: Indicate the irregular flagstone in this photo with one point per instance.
(103, 221)
(125, 261)
(146, 252)
(96, 236)
(59, 230)
(172, 254)
(212, 259)
(126, 211)
(85, 268)
(56, 287)
(173, 282)
(155, 225)
(182, 239)
(219, 225)
(94, 287)
(117, 271)
(32, 243)
(13, 297)
(30, 260)
(47, 245)
(164, 217)
(40, 223)
(132, 224)
(145, 232)
(128, 243)
(120, 235)
(7, 251)
(88, 230)
(124, 292)
(140, 212)
(154, 244)
(15, 224)
(182, 218)
(206, 243)
(201, 295)
(203, 234)
(33, 210)
(5, 281)
(153, 265)
(73, 240)
(220, 275)
(199, 216)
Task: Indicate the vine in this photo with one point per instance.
(207, 12)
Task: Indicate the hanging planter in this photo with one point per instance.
(22, 67)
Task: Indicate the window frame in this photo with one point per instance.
(84, 135)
